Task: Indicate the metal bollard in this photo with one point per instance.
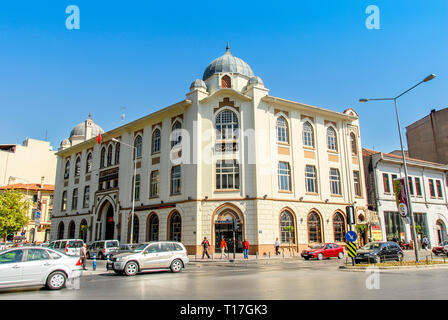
(256, 255)
(107, 260)
(94, 261)
(213, 256)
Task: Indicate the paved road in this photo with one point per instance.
(288, 280)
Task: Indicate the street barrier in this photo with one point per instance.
(94, 261)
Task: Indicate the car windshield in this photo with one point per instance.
(140, 247)
(112, 244)
(372, 246)
(317, 246)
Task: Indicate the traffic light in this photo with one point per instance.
(350, 212)
(236, 224)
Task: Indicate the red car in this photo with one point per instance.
(439, 249)
(321, 251)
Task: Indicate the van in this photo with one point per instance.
(71, 247)
(102, 248)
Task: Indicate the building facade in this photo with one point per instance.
(428, 187)
(228, 151)
(427, 138)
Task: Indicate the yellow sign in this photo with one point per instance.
(351, 249)
(377, 235)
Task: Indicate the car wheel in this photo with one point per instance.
(131, 268)
(377, 259)
(56, 280)
(320, 256)
(176, 265)
(340, 255)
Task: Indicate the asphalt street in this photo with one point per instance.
(280, 281)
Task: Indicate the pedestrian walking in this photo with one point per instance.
(425, 243)
(277, 247)
(205, 245)
(84, 256)
(246, 248)
(223, 247)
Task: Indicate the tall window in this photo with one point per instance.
(282, 130)
(353, 143)
(153, 228)
(155, 141)
(61, 230)
(103, 157)
(78, 166)
(175, 180)
(109, 155)
(418, 187)
(339, 227)
(86, 201)
(284, 176)
(176, 134)
(227, 174)
(138, 144)
(386, 183)
(71, 229)
(357, 183)
(75, 199)
(411, 186)
(286, 220)
(136, 231)
(335, 181)
(311, 179)
(155, 182)
(226, 82)
(64, 201)
(67, 169)
(175, 227)
(331, 139)
(89, 163)
(226, 125)
(308, 136)
(117, 153)
(314, 228)
(432, 191)
(137, 187)
(439, 189)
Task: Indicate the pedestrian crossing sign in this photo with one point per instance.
(351, 249)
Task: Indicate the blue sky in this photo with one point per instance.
(143, 55)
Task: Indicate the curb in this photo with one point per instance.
(394, 268)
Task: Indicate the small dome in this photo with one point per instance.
(256, 80)
(198, 83)
(65, 142)
(80, 129)
(228, 63)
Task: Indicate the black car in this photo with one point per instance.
(377, 252)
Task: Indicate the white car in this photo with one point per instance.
(70, 247)
(34, 266)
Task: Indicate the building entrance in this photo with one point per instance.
(225, 229)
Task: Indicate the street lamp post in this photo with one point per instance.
(133, 188)
(411, 213)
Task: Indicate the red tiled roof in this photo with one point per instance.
(368, 152)
(29, 186)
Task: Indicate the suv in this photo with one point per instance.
(102, 248)
(71, 247)
(151, 256)
(378, 252)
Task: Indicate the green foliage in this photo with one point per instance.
(13, 212)
(289, 229)
(418, 228)
(84, 228)
(361, 228)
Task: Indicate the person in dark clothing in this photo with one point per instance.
(205, 245)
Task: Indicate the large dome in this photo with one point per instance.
(228, 63)
(80, 129)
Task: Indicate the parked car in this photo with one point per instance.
(323, 251)
(70, 247)
(445, 249)
(439, 249)
(379, 251)
(36, 266)
(101, 248)
(151, 256)
(123, 248)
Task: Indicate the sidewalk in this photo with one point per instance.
(239, 258)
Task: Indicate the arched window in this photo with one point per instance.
(226, 82)
(175, 227)
(353, 143)
(308, 136)
(176, 133)
(83, 230)
(138, 144)
(314, 228)
(331, 139)
(287, 220)
(71, 230)
(226, 125)
(64, 201)
(61, 230)
(282, 130)
(155, 141)
(67, 170)
(103, 157)
(339, 227)
(153, 228)
(109, 155)
(89, 163)
(117, 153)
(78, 166)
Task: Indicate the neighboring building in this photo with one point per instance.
(27, 163)
(32, 192)
(428, 188)
(228, 151)
(427, 138)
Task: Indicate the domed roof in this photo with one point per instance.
(228, 63)
(198, 83)
(256, 80)
(80, 129)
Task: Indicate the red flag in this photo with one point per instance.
(98, 139)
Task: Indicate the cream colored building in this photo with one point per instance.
(228, 151)
(27, 163)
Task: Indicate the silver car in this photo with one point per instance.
(37, 266)
(151, 256)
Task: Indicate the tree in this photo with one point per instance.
(13, 212)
